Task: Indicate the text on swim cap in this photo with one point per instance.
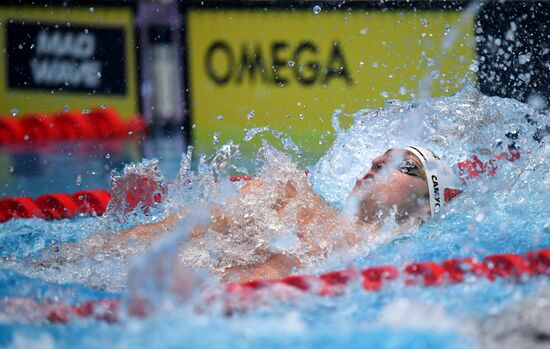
(436, 194)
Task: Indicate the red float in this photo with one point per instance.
(38, 128)
(73, 125)
(93, 202)
(505, 265)
(458, 268)
(11, 130)
(238, 178)
(424, 273)
(374, 278)
(100, 123)
(56, 206)
(136, 125)
(20, 207)
(539, 261)
(107, 123)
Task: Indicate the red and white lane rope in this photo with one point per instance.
(238, 297)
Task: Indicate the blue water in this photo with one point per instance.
(71, 166)
(507, 213)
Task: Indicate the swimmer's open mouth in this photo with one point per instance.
(359, 182)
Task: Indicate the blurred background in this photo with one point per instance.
(87, 86)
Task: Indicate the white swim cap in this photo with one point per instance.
(443, 184)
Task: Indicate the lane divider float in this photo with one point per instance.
(55, 206)
(243, 296)
(99, 123)
(85, 202)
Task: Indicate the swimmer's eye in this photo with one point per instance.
(409, 167)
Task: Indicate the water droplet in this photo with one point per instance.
(250, 115)
(536, 101)
(103, 106)
(32, 46)
(14, 111)
(403, 90)
(86, 111)
(361, 63)
(363, 31)
(66, 108)
(215, 138)
(479, 217)
(78, 180)
(291, 63)
(20, 46)
(316, 9)
(375, 64)
(220, 117)
(91, 10)
(474, 67)
(11, 169)
(522, 59)
(107, 156)
(86, 30)
(98, 74)
(424, 21)
(26, 138)
(434, 74)
(301, 116)
(384, 94)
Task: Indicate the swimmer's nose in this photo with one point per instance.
(358, 183)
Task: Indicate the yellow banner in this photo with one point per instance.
(56, 58)
(291, 69)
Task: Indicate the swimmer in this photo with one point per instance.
(405, 187)
(408, 185)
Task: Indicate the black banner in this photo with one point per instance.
(513, 49)
(66, 58)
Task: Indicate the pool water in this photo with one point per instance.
(505, 213)
(72, 166)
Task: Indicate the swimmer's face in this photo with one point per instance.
(395, 182)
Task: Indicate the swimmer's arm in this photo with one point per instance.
(219, 221)
(277, 266)
(149, 231)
